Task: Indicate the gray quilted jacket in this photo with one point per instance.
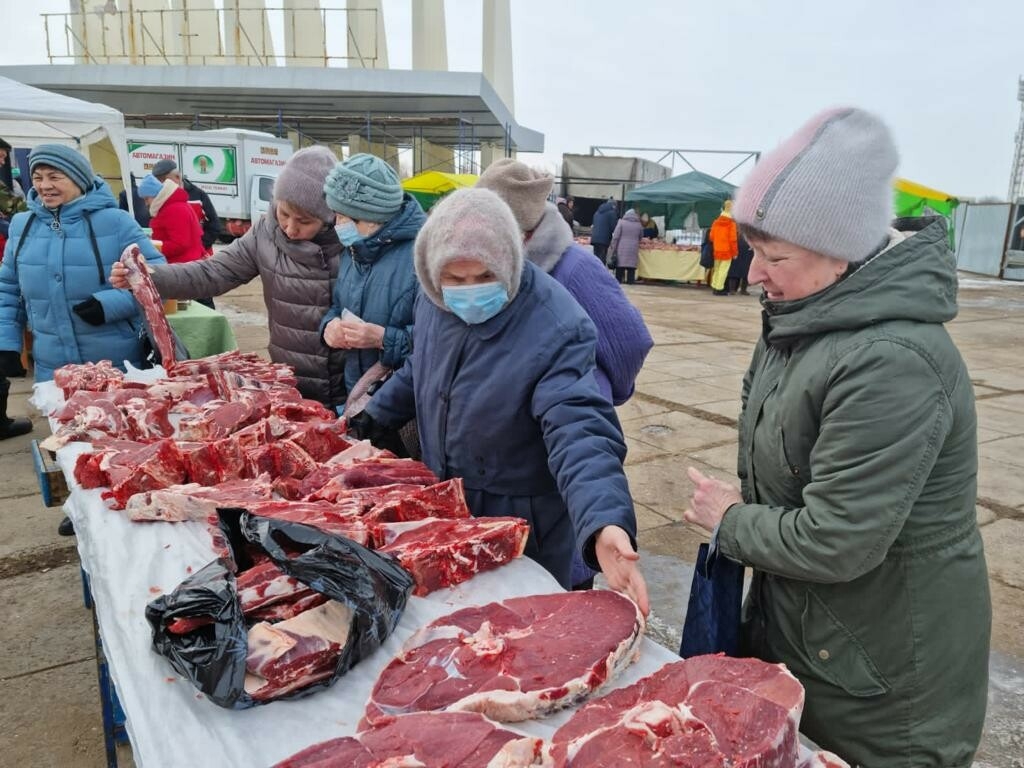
(298, 278)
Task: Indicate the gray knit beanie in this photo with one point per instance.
(301, 181)
(469, 224)
(364, 188)
(524, 189)
(66, 160)
(827, 187)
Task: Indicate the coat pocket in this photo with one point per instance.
(836, 654)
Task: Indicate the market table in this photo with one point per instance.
(677, 264)
(169, 722)
(202, 330)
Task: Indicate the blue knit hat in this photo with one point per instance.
(66, 160)
(149, 186)
(364, 188)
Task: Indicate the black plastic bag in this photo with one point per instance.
(712, 623)
(151, 353)
(213, 654)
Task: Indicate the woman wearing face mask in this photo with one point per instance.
(294, 251)
(502, 387)
(377, 223)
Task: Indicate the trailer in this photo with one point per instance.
(234, 166)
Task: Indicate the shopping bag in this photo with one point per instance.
(200, 628)
(707, 251)
(712, 623)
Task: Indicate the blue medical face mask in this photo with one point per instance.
(347, 233)
(475, 303)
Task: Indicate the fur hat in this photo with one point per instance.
(163, 167)
(364, 188)
(301, 181)
(66, 160)
(149, 186)
(524, 189)
(469, 224)
(827, 187)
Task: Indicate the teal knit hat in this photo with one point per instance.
(66, 160)
(364, 188)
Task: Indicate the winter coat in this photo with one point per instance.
(298, 279)
(741, 264)
(376, 281)
(724, 238)
(858, 461)
(623, 340)
(211, 221)
(626, 240)
(141, 212)
(57, 268)
(605, 218)
(512, 407)
(176, 227)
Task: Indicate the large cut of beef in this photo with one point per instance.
(331, 518)
(282, 458)
(442, 553)
(93, 377)
(704, 711)
(436, 740)
(219, 418)
(148, 298)
(129, 414)
(320, 439)
(149, 467)
(297, 652)
(265, 584)
(197, 502)
(446, 499)
(512, 660)
(366, 473)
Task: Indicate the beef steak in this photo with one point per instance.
(512, 660)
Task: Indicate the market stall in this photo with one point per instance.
(661, 261)
(913, 199)
(31, 116)
(430, 186)
(680, 196)
(129, 563)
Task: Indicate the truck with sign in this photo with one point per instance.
(234, 166)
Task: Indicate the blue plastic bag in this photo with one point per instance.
(712, 623)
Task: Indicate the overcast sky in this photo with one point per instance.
(733, 75)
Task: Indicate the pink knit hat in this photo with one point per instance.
(827, 187)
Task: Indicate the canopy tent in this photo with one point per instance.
(430, 186)
(31, 116)
(678, 197)
(912, 199)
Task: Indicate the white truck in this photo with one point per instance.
(234, 166)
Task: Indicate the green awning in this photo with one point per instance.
(678, 197)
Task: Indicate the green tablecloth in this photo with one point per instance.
(202, 330)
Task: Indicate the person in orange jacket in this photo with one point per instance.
(725, 243)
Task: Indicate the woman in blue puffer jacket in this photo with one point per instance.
(377, 223)
(53, 276)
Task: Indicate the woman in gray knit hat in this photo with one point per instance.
(294, 250)
(377, 222)
(858, 458)
(502, 388)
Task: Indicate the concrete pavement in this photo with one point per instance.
(683, 413)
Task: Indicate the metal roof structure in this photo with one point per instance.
(326, 104)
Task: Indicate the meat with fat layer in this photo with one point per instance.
(704, 711)
(435, 740)
(512, 660)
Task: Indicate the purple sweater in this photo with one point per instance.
(623, 340)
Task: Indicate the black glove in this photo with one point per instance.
(91, 311)
(10, 365)
(363, 426)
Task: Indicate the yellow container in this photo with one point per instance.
(170, 306)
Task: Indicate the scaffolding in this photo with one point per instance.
(1017, 170)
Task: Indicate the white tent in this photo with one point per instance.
(31, 116)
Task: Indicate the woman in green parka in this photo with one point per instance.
(858, 459)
